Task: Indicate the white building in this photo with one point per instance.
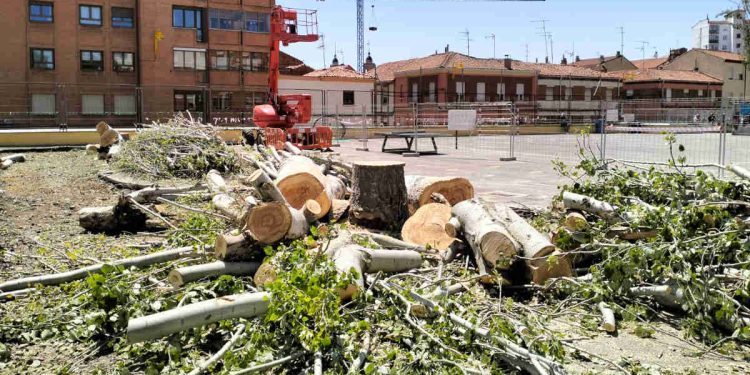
(338, 90)
(720, 35)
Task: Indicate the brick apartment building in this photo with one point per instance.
(78, 62)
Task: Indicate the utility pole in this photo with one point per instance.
(467, 35)
(643, 52)
(622, 40)
(492, 36)
(545, 34)
(551, 49)
(322, 46)
(527, 52)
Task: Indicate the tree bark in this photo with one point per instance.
(98, 219)
(484, 233)
(363, 260)
(230, 207)
(234, 247)
(265, 186)
(81, 273)
(7, 161)
(216, 184)
(339, 209)
(246, 305)
(581, 202)
(422, 188)
(292, 148)
(739, 171)
(183, 275)
(427, 227)
(300, 180)
(335, 188)
(379, 198)
(575, 222)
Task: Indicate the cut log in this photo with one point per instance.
(299, 224)
(427, 227)
(81, 273)
(339, 209)
(183, 275)
(534, 243)
(292, 148)
(739, 171)
(16, 158)
(484, 233)
(216, 184)
(363, 260)
(98, 219)
(230, 207)
(379, 198)
(575, 222)
(234, 247)
(581, 202)
(542, 269)
(246, 305)
(276, 157)
(335, 188)
(300, 180)
(265, 186)
(311, 211)
(265, 275)
(421, 189)
(269, 222)
(609, 324)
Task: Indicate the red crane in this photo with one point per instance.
(279, 117)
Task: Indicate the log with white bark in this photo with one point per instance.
(288, 146)
(739, 171)
(422, 188)
(584, 203)
(300, 180)
(609, 324)
(427, 227)
(484, 233)
(364, 260)
(7, 161)
(379, 198)
(216, 184)
(230, 207)
(246, 305)
(81, 273)
(388, 242)
(666, 295)
(151, 194)
(339, 209)
(301, 219)
(183, 275)
(575, 221)
(232, 247)
(335, 188)
(265, 186)
(276, 157)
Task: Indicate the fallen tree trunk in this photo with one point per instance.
(234, 247)
(581, 202)
(98, 219)
(422, 188)
(609, 324)
(363, 260)
(183, 275)
(427, 227)
(265, 186)
(300, 180)
(246, 305)
(739, 171)
(379, 198)
(7, 161)
(339, 209)
(269, 222)
(335, 188)
(216, 184)
(231, 208)
(484, 233)
(288, 146)
(78, 274)
(575, 222)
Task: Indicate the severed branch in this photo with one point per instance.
(224, 349)
(269, 365)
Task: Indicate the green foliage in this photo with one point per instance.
(198, 229)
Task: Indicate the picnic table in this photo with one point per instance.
(409, 137)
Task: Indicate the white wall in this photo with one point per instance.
(328, 95)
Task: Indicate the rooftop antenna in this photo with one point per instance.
(545, 35)
(622, 40)
(643, 53)
(467, 35)
(527, 52)
(322, 46)
(492, 36)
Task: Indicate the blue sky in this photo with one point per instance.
(413, 28)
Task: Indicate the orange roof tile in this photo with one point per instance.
(658, 75)
(340, 71)
(558, 70)
(590, 63)
(726, 56)
(650, 63)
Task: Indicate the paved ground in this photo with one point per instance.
(531, 179)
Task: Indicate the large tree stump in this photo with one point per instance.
(422, 188)
(427, 227)
(299, 180)
(379, 195)
(484, 233)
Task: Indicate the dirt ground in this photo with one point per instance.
(39, 226)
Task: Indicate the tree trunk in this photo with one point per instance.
(421, 189)
(335, 187)
(300, 224)
(300, 180)
(229, 206)
(7, 161)
(339, 209)
(542, 269)
(265, 275)
(216, 183)
(427, 227)
(265, 186)
(234, 247)
(379, 196)
(269, 222)
(581, 202)
(98, 219)
(484, 233)
(363, 260)
(81, 273)
(311, 211)
(575, 222)
(183, 275)
(246, 305)
(292, 148)
(739, 171)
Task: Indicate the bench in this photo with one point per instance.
(409, 137)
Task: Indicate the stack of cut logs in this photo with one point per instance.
(109, 142)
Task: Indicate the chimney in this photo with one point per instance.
(601, 58)
(447, 48)
(564, 61)
(546, 60)
(508, 63)
(618, 54)
(578, 58)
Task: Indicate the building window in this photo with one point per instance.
(190, 59)
(480, 92)
(92, 104)
(460, 91)
(188, 101)
(254, 98)
(125, 105)
(189, 18)
(520, 92)
(90, 15)
(257, 22)
(255, 61)
(122, 17)
(225, 60)
(348, 97)
(43, 104)
(501, 91)
(43, 58)
(92, 60)
(222, 101)
(41, 12)
(221, 19)
(431, 92)
(414, 93)
(123, 61)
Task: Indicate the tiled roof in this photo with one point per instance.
(726, 56)
(590, 63)
(290, 65)
(658, 75)
(650, 63)
(340, 71)
(558, 70)
(387, 71)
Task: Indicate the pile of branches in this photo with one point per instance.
(653, 238)
(179, 148)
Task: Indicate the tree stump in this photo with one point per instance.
(379, 198)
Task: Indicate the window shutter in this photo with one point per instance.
(43, 104)
(124, 104)
(92, 104)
